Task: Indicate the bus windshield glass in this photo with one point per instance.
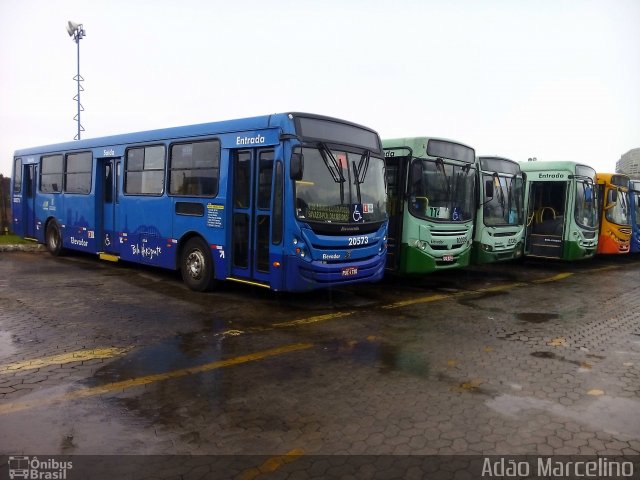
(618, 212)
(341, 187)
(635, 198)
(505, 206)
(586, 211)
(441, 191)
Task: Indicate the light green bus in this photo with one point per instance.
(562, 210)
(499, 224)
(431, 204)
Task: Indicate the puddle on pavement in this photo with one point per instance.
(182, 351)
(388, 358)
(78, 429)
(470, 301)
(554, 356)
(7, 348)
(536, 317)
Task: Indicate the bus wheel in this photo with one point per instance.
(53, 238)
(196, 265)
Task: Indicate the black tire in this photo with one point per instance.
(53, 238)
(196, 265)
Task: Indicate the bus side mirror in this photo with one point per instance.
(614, 196)
(488, 189)
(296, 169)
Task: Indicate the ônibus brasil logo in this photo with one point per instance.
(32, 468)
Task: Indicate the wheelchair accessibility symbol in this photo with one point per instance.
(356, 213)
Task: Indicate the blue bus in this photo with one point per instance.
(289, 201)
(634, 202)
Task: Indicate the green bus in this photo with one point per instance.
(499, 224)
(431, 204)
(562, 210)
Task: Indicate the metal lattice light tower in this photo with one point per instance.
(76, 30)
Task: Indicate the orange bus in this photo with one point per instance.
(615, 215)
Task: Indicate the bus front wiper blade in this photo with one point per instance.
(356, 173)
(334, 168)
(445, 179)
(501, 201)
(331, 163)
(363, 166)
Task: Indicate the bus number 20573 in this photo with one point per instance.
(354, 241)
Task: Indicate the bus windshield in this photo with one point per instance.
(635, 199)
(441, 191)
(618, 211)
(505, 206)
(586, 211)
(341, 187)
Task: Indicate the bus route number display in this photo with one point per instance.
(334, 213)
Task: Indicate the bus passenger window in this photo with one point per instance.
(194, 169)
(51, 174)
(144, 171)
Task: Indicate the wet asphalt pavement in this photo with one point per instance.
(534, 358)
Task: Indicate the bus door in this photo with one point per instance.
(546, 219)
(252, 215)
(110, 171)
(396, 184)
(30, 180)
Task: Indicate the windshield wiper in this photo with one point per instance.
(333, 167)
(331, 163)
(501, 200)
(440, 165)
(360, 172)
(363, 166)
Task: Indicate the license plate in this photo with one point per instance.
(447, 258)
(349, 271)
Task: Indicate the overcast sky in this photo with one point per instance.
(554, 79)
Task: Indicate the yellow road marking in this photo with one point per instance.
(558, 342)
(555, 278)
(77, 356)
(595, 392)
(146, 380)
(500, 288)
(316, 319)
(602, 269)
(413, 301)
(272, 464)
(445, 296)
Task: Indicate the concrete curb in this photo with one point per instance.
(23, 247)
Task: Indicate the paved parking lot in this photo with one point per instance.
(513, 359)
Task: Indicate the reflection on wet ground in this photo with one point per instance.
(411, 366)
(536, 317)
(618, 416)
(7, 348)
(181, 351)
(386, 357)
(554, 356)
